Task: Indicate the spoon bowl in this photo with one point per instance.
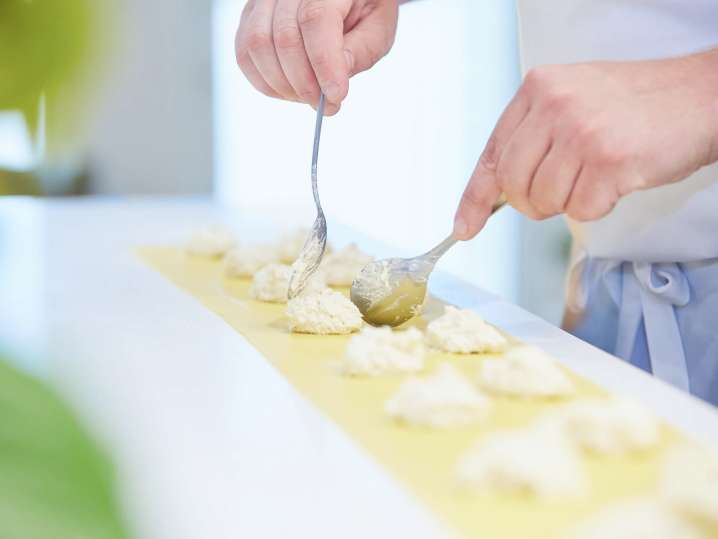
(392, 291)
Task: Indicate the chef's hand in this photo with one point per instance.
(290, 49)
(577, 138)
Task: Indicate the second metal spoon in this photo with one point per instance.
(391, 291)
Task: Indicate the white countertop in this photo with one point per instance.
(210, 440)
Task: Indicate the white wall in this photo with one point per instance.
(395, 160)
(153, 130)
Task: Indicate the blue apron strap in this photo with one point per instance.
(660, 288)
(630, 312)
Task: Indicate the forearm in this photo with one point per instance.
(705, 66)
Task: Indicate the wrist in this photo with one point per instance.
(706, 74)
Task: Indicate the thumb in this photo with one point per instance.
(371, 38)
(478, 201)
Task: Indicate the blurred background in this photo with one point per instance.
(167, 112)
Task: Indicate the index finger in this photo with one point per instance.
(322, 25)
(483, 191)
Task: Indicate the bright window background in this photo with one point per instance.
(394, 161)
(16, 149)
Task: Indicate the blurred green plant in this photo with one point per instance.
(54, 481)
(44, 46)
(47, 48)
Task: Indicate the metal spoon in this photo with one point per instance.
(391, 291)
(314, 247)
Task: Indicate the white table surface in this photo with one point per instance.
(210, 441)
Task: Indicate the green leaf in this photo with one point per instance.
(54, 480)
(43, 44)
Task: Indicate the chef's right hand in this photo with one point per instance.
(293, 49)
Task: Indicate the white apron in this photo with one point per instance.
(643, 272)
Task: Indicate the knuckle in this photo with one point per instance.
(546, 205)
(240, 48)
(558, 101)
(538, 79)
(579, 213)
(586, 135)
(545, 86)
(287, 36)
(536, 215)
(241, 56)
(589, 206)
(490, 156)
(307, 95)
(473, 197)
(263, 88)
(266, 90)
(311, 11)
(598, 146)
(258, 40)
(372, 54)
(628, 183)
(605, 152)
(321, 61)
(503, 176)
(612, 154)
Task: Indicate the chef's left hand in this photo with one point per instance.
(576, 138)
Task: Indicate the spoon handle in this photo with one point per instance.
(315, 151)
(449, 242)
(434, 255)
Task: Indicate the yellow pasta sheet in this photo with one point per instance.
(422, 460)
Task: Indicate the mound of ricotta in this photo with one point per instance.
(326, 312)
(290, 245)
(464, 331)
(342, 266)
(689, 482)
(535, 461)
(443, 399)
(525, 371)
(271, 283)
(211, 241)
(246, 260)
(377, 351)
(608, 426)
(640, 518)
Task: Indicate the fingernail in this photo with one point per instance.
(350, 60)
(331, 90)
(460, 228)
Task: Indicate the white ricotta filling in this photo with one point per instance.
(246, 260)
(534, 461)
(324, 312)
(211, 241)
(377, 351)
(525, 371)
(290, 245)
(443, 399)
(641, 518)
(464, 331)
(271, 283)
(341, 267)
(608, 426)
(689, 482)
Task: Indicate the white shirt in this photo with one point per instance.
(672, 223)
